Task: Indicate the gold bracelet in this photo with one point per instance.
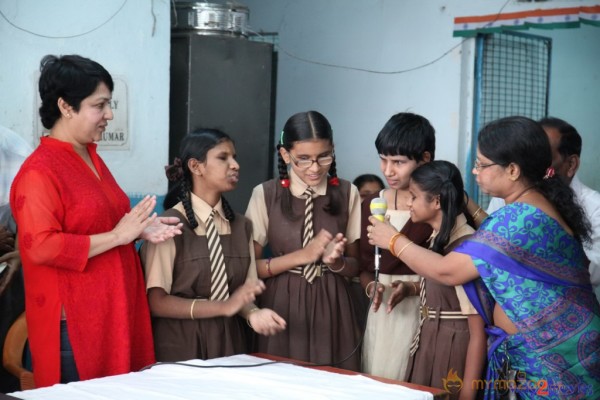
(404, 248)
(341, 269)
(476, 213)
(192, 309)
(268, 266)
(367, 288)
(415, 287)
(248, 315)
(393, 241)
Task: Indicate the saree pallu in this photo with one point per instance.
(537, 273)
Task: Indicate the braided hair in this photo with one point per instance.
(302, 126)
(194, 145)
(442, 178)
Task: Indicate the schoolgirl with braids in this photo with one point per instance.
(451, 334)
(310, 219)
(190, 320)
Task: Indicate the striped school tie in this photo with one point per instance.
(310, 270)
(219, 289)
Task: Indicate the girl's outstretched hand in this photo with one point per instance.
(400, 291)
(377, 295)
(335, 249)
(317, 246)
(266, 322)
(243, 296)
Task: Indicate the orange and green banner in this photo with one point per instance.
(553, 18)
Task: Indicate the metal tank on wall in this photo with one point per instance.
(222, 80)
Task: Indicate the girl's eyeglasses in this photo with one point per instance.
(306, 164)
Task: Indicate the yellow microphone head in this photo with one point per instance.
(378, 208)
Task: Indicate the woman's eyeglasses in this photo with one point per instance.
(479, 166)
(306, 164)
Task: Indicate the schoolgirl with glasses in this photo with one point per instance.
(309, 220)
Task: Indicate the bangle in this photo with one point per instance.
(393, 241)
(476, 213)
(342, 268)
(415, 287)
(192, 309)
(404, 248)
(367, 288)
(268, 265)
(248, 315)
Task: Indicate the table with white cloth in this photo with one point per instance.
(272, 381)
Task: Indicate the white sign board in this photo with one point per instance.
(116, 135)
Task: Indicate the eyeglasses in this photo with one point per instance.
(306, 164)
(479, 166)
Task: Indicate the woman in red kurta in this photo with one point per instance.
(75, 230)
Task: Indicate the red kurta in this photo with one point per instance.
(58, 202)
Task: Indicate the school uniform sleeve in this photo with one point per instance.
(257, 213)
(353, 229)
(158, 260)
(465, 305)
(252, 274)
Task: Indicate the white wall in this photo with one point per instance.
(575, 90)
(133, 44)
(383, 35)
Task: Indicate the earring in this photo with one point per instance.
(69, 115)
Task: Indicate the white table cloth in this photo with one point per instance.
(274, 381)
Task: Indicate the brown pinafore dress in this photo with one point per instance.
(185, 339)
(321, 323)
(443, 341)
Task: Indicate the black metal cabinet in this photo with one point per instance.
(225, 83)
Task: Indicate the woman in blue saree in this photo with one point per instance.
(527, 271)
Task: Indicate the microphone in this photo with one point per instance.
(378, 208)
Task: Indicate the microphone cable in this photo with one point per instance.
(297, 363)
(377, 206)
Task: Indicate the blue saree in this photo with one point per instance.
(537, 273)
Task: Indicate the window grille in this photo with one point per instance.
(512, 77)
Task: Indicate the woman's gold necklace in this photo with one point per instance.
(525, 193)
